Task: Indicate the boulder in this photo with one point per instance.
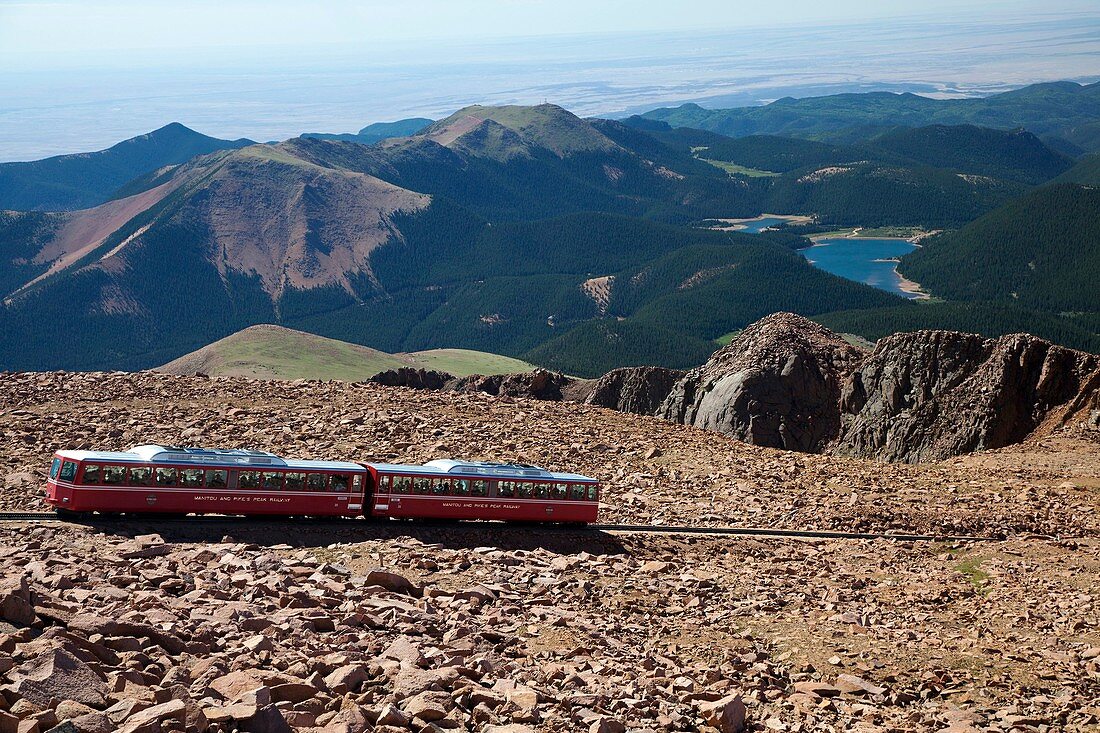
(538, 384)
(394, 582)
(58, 675)
(728, 714)
(15, 601)
(778, 384)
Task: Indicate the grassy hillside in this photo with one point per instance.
(1063, 110)
(79, 181)
(274, 352)
(1041, 251)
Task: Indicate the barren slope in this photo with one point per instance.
(543, 630)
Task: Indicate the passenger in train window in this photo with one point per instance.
(141, 476)
(576, 491)
(295, 481)
(273, 480)
(316, 481)
(166, 476)
(506, 489)
(249, 480)
(112, 475)
(91, 474)
(339, 482)
(216, 479)
(423, 485)
(402, 484)
(461, 487)
(593, 492)
(68, 471)
(441, 486)
(542, 490)
(526, 489)
(479, 487)
(192, 477)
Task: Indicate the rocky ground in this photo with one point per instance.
(235, 626)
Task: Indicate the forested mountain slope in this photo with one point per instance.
(1063, 111)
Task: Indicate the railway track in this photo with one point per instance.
(472, 526)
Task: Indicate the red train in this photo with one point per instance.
(162, 479)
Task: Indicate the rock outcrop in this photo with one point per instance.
(778, 384)
(413, 378)
(538, 384)
(640, 390)
(933, 394)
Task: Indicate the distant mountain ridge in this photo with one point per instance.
(1065, 113)
(376, 132)
(83, 180)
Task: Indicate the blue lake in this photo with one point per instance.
(864, 260)
(755, 227)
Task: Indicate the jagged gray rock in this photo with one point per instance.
(639, 390)
(930, 395)
(778, 384)
(413, 378)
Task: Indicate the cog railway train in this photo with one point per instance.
(166, 480)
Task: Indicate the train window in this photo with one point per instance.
(166, 476)
(507, 489)
(593, 492)
(316, 481)
(215, 478)
(422, 485)
(91, 474)
(295, 481)
(557, 491)
(441, 486)
(461, 487)
(55, 467)
(249, 480)
(141, 476)
(402, 484)
(542, 491)
(526, 489)
(479, 487)
(191, 477)
(273, 480)
(112, 475)
(68, 470)
(339, 482)
(356, 481)
(576, 491)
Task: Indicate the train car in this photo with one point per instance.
(477, 490)
(162, 479)
(168, 480)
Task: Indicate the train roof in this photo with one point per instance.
(241, 458)
(450, 467)
(235, 458)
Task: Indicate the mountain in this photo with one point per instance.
(273, 352)
(1041, 251)
(1014, 155)
(526, 232)
(83, 180)
(376, 132)
(1086, 172)
(1066, 111)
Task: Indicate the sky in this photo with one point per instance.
(57, 33)
(80, 75)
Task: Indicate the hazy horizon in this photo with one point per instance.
(88, 98)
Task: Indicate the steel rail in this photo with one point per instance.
(773, 532)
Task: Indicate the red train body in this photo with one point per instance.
(153, 478)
